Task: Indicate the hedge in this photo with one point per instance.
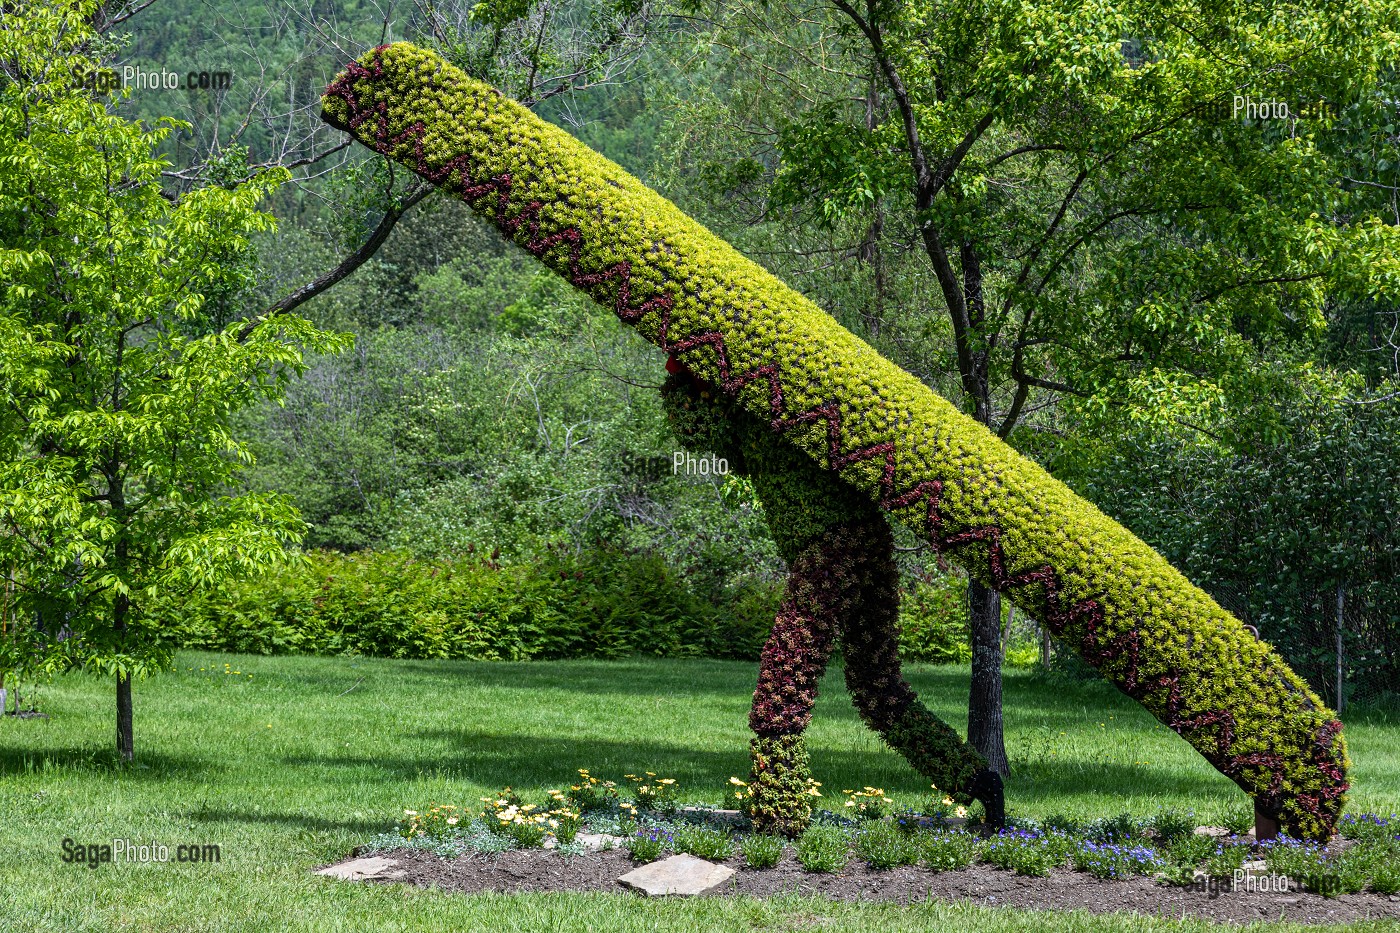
(1160, 639)
(597, 604)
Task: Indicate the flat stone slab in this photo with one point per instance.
(362, 869)
(680, 874)
(596, 841)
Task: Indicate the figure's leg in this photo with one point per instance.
(823, 586)
(887, 704)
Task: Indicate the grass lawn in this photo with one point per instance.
(292, 767)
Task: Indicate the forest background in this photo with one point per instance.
(487, 473)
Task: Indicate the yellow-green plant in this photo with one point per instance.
(1122, 607)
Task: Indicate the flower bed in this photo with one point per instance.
(873, 833)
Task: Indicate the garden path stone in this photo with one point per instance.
(679, 874)
(362, 869)
(596, 841)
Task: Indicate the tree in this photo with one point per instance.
(1106, 219)
(115, 393)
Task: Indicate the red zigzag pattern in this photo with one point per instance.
(454, 175)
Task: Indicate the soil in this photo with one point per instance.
(539, 870)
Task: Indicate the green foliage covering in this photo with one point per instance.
(599, 605)
(780, 788)
(118, 384)
(1125, 609)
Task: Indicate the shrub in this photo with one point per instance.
(1238, 820)
(884, 845)
(1385, 878)
(646, 845)
(868, 804)
(1349, 872)
(1228, 857)
(933, 621)
(1108, 860)
(1170, 825)
(591, 793)
(604, 603)
(1027, 852)
(1368, 826)
(761, 851)
(1113, 829)
(654, 793)
(947, 851)
(1058, 822)
(822, 849)
(1191, 850)
(703, 842)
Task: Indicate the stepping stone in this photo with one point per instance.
(362, 869)
(595, 841)
(679, 874)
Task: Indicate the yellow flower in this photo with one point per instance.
(667, 781)
(735, 780)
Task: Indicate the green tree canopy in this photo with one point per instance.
(115, 391)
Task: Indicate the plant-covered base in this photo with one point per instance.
(780, 786)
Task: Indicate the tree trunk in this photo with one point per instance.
(126, 748)
(1341, 623)
(126, 745)
(984, 722)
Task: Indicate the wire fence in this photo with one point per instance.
(1344, 640)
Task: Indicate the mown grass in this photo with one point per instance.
(311, 756)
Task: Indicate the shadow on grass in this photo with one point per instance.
(496, 760)
(299, 820)
(74, 759)
(1031, 696)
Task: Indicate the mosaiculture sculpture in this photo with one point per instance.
(777, 368)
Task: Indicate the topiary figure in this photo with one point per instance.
(1013, 527)
(842, 584)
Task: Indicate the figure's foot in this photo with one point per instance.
(778, 797)
(987, 788)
